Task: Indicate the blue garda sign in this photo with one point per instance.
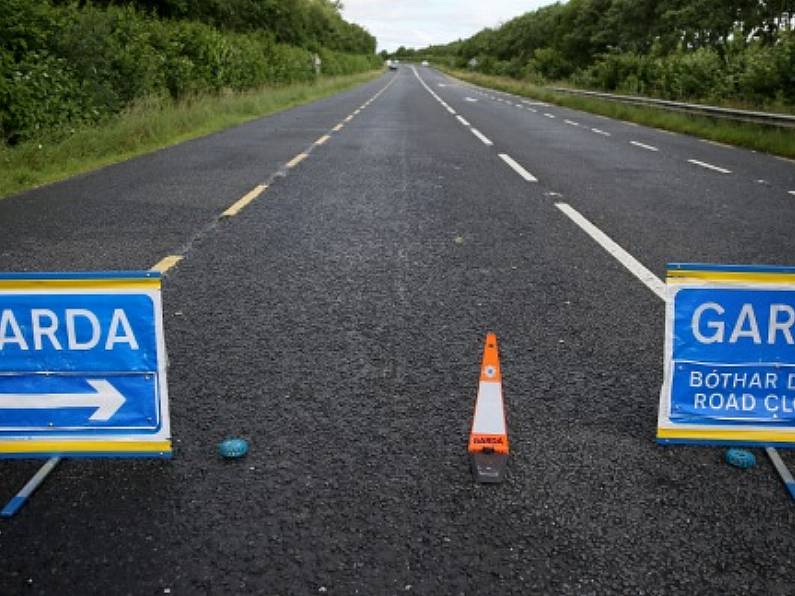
(729, 373)
(82, 365)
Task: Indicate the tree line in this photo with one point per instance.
(65, 63)
(681, 49)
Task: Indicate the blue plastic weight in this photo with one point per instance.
(233, 448)
(740, 458)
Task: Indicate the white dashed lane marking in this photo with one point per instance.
(709, 166)
(643, 146)
(481, 136)
(518, 168)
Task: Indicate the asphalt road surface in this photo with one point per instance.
(337, 323)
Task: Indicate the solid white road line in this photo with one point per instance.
(643, 146)
(716, 143)
(600, 132)
(709, 166)
(627, 260)
(462, 121)
(517, 168)
(481, 136)
(571, 122)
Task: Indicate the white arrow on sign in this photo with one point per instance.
(107, 400)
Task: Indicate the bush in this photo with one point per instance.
(64, 65)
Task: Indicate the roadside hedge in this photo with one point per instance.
(64, 66)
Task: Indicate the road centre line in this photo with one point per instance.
(238, 205)
(709, 166)
(349, 118)
(643, 146)
(533, 110)
(338, 128)
(296, 160)
(648, 278)
(548, 115)
(322, 140)
(600, 132)
(451, 110)
(571, 122)
(792, 192)
(463, 121)
(481, 136)
(166, 263)
(517, 168)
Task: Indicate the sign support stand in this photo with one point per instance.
(16, 503)
(782, 470)
(729, 360)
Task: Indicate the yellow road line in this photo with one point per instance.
(296, 160)
(238, 205)
(322, 140)
(167, 263)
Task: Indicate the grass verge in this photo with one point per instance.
(769, 139)
(152, 124)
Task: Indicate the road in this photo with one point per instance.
(337, 320)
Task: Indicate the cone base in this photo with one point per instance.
(489, 468)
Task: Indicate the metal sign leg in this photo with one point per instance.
(782, 469)
(18, 501)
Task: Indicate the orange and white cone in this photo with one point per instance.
(488, 441)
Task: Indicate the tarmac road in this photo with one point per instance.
(337, 322)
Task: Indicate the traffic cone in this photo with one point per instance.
(488, 441)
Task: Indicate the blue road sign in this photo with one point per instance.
(82, 365)
(729, 356)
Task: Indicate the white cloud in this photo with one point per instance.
(418, 23)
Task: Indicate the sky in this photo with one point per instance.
(420, 23)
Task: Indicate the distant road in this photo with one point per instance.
(335, 318)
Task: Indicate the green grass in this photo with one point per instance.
(769, 139)
(149, 125)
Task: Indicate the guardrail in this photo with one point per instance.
(771, 119)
